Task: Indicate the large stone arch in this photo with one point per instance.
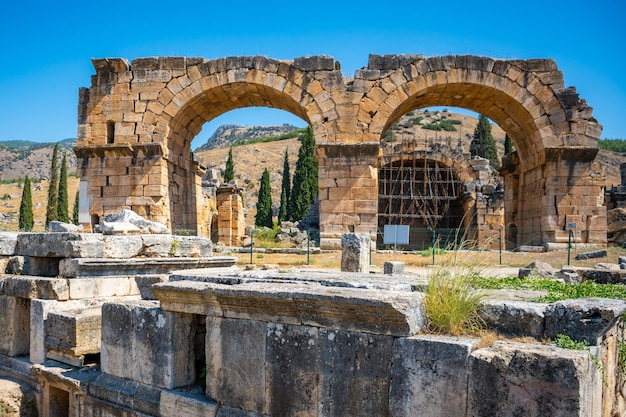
(136, 122)
(156, 106)
(552, 182)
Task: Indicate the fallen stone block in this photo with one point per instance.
(593, 254)
(605, 276)
(514, 379)
(122, 246)
(393, 268)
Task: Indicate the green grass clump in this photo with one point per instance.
(452, 301)
(557, 290)
(429, 252)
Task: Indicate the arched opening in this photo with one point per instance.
(269, 133)
(429, 180)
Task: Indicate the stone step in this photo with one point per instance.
(97, 267)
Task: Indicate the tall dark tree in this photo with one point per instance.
(264, 205)
(53, 188)
(229, 172)
(75, 209)
(26, 208)
(508, 145)
(285, 190)
(483, 144)
(304, 188)
(63, 201)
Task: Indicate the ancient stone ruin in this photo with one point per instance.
(137, 120)
(98, 325)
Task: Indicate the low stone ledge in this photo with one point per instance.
(514, 318)
(32, 287)
(378, 312)
(532, 380)
(92, 267)
(126, 393)
(583, 318)
(60, 245)
(96, 287)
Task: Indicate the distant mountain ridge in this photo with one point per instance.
(19, 158)
(228, 135)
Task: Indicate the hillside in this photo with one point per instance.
(227, 135)
(21, 158)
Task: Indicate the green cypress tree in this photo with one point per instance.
(483, 144)
(285, 191)
(26, 208)
(264, 205)
(305, 187)
(51, 209)
(75, 209)
(508, 145)
(229, 172)
(63, 202)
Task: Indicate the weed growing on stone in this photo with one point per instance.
(452, 300)
(566, 342)
(557, 290)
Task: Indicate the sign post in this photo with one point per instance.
(395, 234)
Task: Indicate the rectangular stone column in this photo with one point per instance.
(348, 190)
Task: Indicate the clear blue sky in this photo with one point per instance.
(48, 46)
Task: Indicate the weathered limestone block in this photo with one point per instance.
(292, 370)
(429, 376)
(94, 267)
(593, 254)
(236, 375)
(178, 246)
(39, 310)
(605, 276)
(61, 227)
(583, 318)
(393, 268)
(388, 313)
(513, 379)
(355, 253)
(8, 243)
(143, 343)
(60, 245)
(122, 246)
(15, 319)
(70, 335)
(91, 287)
(35, 287)
(355, 371)
(514, 318)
